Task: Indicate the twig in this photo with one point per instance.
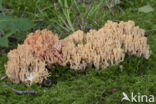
(18, 91)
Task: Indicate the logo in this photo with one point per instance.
(137, 98)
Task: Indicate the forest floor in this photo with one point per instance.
(92, 86)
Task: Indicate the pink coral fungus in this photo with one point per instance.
(46, 46)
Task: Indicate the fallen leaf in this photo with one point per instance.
(146, 9)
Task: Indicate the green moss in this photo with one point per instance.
(137, 74)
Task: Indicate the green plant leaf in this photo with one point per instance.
(66, 12)
(14, 24)
(0, 5)
(4, 42)
(146, 9)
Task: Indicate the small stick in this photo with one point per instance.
(20, 92)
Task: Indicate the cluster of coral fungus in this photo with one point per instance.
(28, 62)
(98, 48)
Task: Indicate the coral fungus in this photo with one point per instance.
(46, 46)
(22, 66)
(133, 39)
(105, 47)
(99, 48)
